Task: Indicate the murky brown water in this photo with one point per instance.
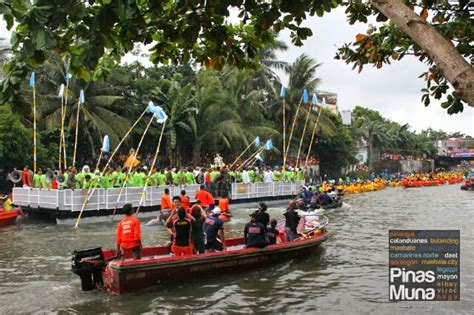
(348, 274)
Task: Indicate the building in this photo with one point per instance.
(330, 98)
(455, 147)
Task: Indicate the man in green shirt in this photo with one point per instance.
(37, 179)
(190, 177)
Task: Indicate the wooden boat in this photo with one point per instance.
(8, 217)
(99, 268)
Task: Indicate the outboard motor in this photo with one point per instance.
(87, 264)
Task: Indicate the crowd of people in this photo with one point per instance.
(196, 229)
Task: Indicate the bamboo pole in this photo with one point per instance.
(91, 190)
(284, 133)
(76, 133)
(312, 134)
(66, 91)
(122, 188)
(293, 128)
(302, 136)
(246, 149)
(259, 150)
(33, 83)
(151, 169)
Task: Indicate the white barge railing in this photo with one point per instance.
(101, 199)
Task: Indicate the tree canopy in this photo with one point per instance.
(95, 34)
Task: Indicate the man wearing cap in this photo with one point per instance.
(129, 234)
(254, 233)
(214, 227)
(7, 203)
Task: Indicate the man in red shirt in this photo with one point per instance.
(129, 234)
(26, 177)
(206, 199)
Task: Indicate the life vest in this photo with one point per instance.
(128, 232)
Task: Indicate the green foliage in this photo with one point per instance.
(15, 140)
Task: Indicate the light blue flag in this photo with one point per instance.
(259, 157)
(157, 112)
(257, 141)
(268, 145)
(82, 98)
(61, 91)
(283, 91)
(315, 99)
(32, 79)
(305, 96)
(106, 144)
(68, 76)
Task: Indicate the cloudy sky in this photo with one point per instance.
(393, 90)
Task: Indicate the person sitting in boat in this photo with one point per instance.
(7, 203)
(197, 232)
(262, 215)
(223, 204)
(254, 232)
(314, 203)
(214, 227)
(325, 199)
(272, 232)
(333, 194)
(181, 223)
(292, 220)
(129, 234)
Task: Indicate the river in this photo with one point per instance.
(347, 274)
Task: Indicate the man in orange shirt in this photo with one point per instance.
(206, 199)
(26, 177)
(129, 234)
(185, 202)
(166, 206)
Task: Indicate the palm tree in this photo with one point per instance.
(97, 117)
(180, 104)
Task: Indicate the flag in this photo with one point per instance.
(315, 99)
(257, 141)
(268, 145)
(324, 102)
(157, 112)
(106, 144)
(81, 97)
(283, 91)
(68, 76)
(305, 96)
(32, 79)
(259, 157)
(61, 91)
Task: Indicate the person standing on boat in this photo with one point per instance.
(205, 197)
(254, 232)
(26, 177)
(185, 202)
(262, 216)
(181, 223)
(197, 232)
(166, 206)
(129, 234)
(214, 227)
(292, 220)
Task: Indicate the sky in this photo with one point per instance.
(393, 90)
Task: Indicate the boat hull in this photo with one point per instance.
(9, 217)
(130, 276)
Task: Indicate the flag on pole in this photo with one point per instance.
(259, 157)
(257, 141)
(268, 145)
(32, 79)
(315, 99)
(82, 97)
(157, 112)
(106, 144)
(283, 91)
(68, 76)
(305, 96)
(61, 91)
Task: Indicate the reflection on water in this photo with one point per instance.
(347, 274)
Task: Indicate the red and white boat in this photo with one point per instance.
(8, 217)
(98, 268)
